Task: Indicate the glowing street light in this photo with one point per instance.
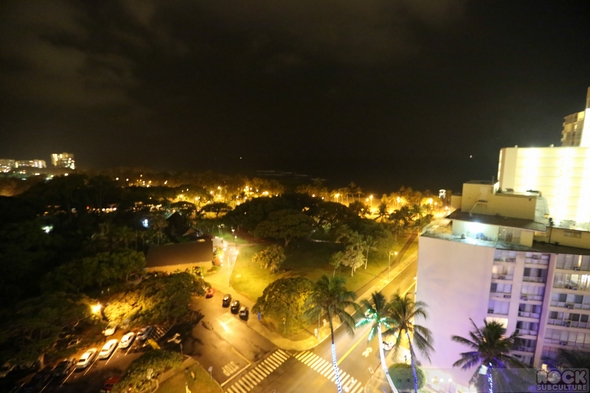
(96, 308)
(337, 196)
(371, 198)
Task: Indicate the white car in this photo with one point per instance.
(109, 331)
(127, 340)
(108, 349)
(86, 358)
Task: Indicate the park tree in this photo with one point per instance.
(31, 329)
(403, 376)
(270, 258)
(216, 207)
(329, 215)
(285, 225)
(143, 373)
(167, 298)
(284, 301)
(359, 208)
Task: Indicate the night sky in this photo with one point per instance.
(380, 92)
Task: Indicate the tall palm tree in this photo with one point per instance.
(489, 348)
(331, 297)
(573, 358)
(377, 315)
(402, 312)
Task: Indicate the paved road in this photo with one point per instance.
(312, 371)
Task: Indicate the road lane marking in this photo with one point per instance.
(250, 380)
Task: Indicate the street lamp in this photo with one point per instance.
(389, 261)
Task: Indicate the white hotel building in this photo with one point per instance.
(516, 251)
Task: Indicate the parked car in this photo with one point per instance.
(109, 383)
(39, 380)
(73, 342)
(64, 367)
(210, 292)
(244, 313)
(127, 340)
(226, 300)
(109, 331)
(108, 349)
(235, 306)
(86, 358)
(6, 368)
(145, 333)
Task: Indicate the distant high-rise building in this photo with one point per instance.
(35, 163)
(576, 132)
(7, 165)
(63, 160)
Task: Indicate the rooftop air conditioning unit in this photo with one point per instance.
(577, 268)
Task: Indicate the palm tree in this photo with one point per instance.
(402, 312)
(573, 358)
(377, 315)
(489, 348)
(330, 296)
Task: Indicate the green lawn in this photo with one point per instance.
(304, 259)
(201, 384)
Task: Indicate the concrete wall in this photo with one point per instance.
(454, 281)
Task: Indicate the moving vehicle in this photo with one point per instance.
(235, 306)
(145, 333)
(226, 300)
(64, 367)
(244, 313)
(108, 349)
(127, 340)
(86, 358)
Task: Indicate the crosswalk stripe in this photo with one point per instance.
(252, 376)
(343, 380)
(259, 374)
(245, 383)
(273, 362)
(264, 369)
(315, 362)
(324, 367)
(305, 357)
(282, 355)
(239, 388)
(359, 388)
(250, 380)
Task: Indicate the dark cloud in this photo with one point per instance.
(331, 87)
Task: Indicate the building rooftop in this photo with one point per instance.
(442, 230)
(498, 220)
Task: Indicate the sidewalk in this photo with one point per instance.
(220, 282)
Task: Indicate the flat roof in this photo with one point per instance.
(498, 220)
